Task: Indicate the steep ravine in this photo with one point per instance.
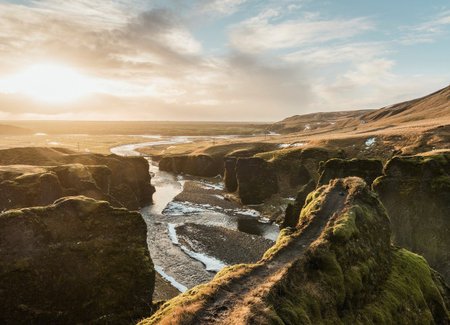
(171, 259)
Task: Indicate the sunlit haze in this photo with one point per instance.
(241, 60)
(49, 83)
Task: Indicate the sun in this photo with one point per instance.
(51, 83)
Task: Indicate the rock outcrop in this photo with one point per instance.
(197, 165)
(209, 161)
(76, 261)
(367, 169)
(292, 213)
(230, 178)
(124, 181)
(296, 168)
(337, 267)
(256, 179)
(283, 172)
(29, 186)
(416, 193)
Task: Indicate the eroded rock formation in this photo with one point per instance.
(292, 213)
(256, 179)
(367, 169)
(29, 186)
(197, 165)
(76, 261)
(416, 193)
(124, 181)
(230, 179)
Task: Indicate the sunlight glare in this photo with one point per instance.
(50, 83)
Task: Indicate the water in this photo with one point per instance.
(171, 262)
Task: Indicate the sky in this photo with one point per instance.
(228, 60)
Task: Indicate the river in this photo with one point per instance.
(184, 268)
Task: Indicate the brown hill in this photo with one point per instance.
(435, 105)
(433, 109)
(314, 121)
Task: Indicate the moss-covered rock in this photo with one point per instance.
(124, 181)
(337, 267)
(230, 179)
(292, 213)
(196, 165)
(416, 193)
(28, 186)
(256, 179)
(297, 167)
(76, 261)
(367, 169)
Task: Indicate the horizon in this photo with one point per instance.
(213, 121)
(211, 61)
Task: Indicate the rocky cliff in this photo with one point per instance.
(28, 186)
(256, 180)
(367, 169)
(416, 193)
(283, 172)
(292, 213)
(209, 161)
(124, 181)
(336, 267)
(197, 165)
(76, 261)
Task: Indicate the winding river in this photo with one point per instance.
(182, 268)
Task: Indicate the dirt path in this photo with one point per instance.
(231, 298)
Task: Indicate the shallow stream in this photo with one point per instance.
(185, 269)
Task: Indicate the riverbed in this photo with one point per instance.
(178, 264)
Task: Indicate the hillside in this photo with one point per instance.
(314, 121)
(433, 106)
(428, 110)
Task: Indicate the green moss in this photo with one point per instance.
(284, 237)
(441, 183)
(312, 204)
(345, 227)
(408, 296)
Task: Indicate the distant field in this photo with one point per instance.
(138, 128)
(101, 136)
(81, 143)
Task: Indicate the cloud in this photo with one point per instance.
(333, 54)
(372, 84)
(427, 32)
(135, 46)
(267, 32)
(224, 7)
(149, 62)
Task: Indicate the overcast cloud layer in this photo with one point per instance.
(238, 60)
